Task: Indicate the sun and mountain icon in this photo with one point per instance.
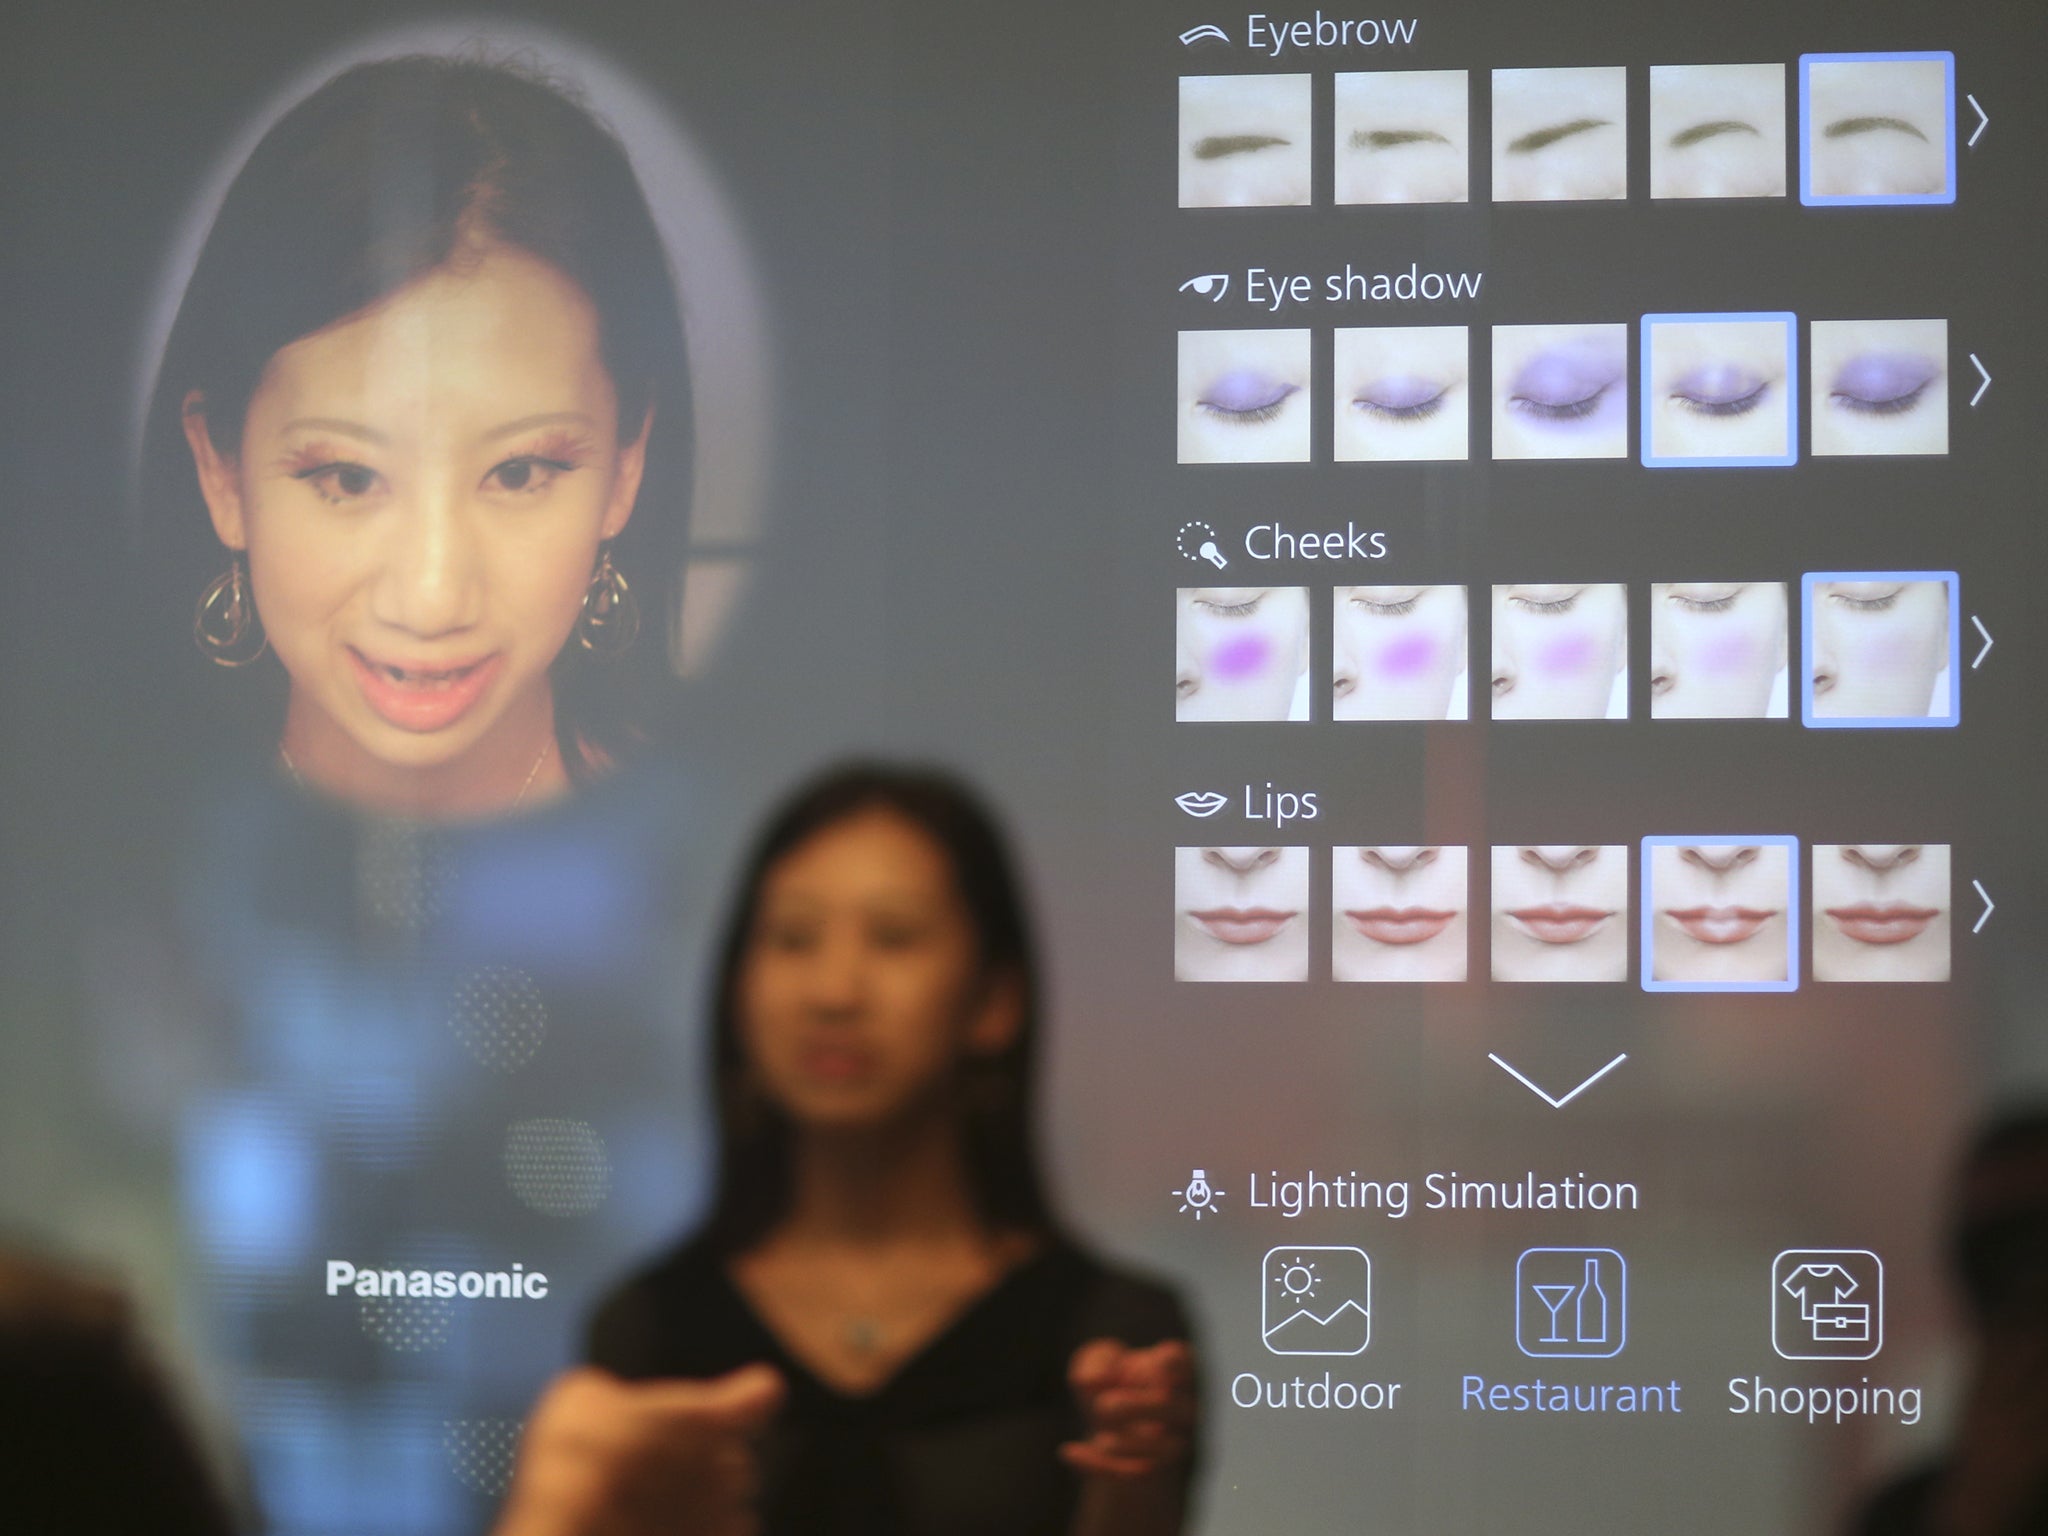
(1316, 1301)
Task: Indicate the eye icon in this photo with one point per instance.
(1210, 285)
(1201, 802)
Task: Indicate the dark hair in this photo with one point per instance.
(2000, 1234)
(753, 1136)
(391, 170)
(95, 1444)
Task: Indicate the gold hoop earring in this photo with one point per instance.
(226, 627)
(611, 615)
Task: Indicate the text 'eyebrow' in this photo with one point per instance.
(1394, 138)
(1699, 132)
(1854, 125)
(1543, 138)
(1216, 147)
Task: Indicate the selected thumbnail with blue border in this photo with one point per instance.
(1951, 715)
(1651, 386)
(1812, 199)
(1790, 983)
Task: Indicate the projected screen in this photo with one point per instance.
(1524, 422)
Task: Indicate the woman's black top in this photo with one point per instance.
(962, 1441)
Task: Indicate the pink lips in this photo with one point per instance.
(1242, 925)
(1720, 925)
(1400, 925)
(1558, 923)
(1886, 923)
(423, 697)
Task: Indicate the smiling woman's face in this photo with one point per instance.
(421, 492)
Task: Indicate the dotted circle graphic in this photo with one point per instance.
(481, 1452)
(557, 1167)
(412, 1325)
(498, 1015)
(402, 875)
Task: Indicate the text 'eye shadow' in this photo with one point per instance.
(1700, 132)
(1394, 138)
(1543, 138)
(1220, 146)
(1849, 126)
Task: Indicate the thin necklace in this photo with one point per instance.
(284, 756)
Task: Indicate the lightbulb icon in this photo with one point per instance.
(1199, 1196)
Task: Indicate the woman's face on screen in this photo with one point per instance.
(421, 492)
(862, 988)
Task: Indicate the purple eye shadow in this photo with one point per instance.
(1565, 383)
(1243, 390)
(1877, 378)
(1399, 392)
(1717, 384)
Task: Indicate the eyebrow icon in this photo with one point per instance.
(1849, 126)
(1543, 138)
(1394, 138)
(1219, 146)
(1699, 133)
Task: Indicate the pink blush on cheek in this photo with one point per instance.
(1728, 656)
(1235, 660)
(1407, 658)
(1574, 652)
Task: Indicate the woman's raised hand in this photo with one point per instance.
(1139, 1406)
(606, 1457)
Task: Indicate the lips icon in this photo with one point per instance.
(1201, 803)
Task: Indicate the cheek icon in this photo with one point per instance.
(1407, 658)
(1235, 660)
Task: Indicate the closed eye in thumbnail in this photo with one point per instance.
(1246, 396)
(1566, 384)
(1882, 384)
(1719, 389)
(1401, 397)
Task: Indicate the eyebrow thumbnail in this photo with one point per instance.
(1850, 126)
(1700, 132)
(1543, 138)
(1219, 146)
(1393, 138)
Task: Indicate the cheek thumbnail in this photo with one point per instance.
(1246, 656)
(1407, 658)
(1575, 652)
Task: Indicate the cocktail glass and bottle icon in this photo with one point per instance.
(1571, 1303)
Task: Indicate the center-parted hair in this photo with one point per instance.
(395, 169)
(754, 1179)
